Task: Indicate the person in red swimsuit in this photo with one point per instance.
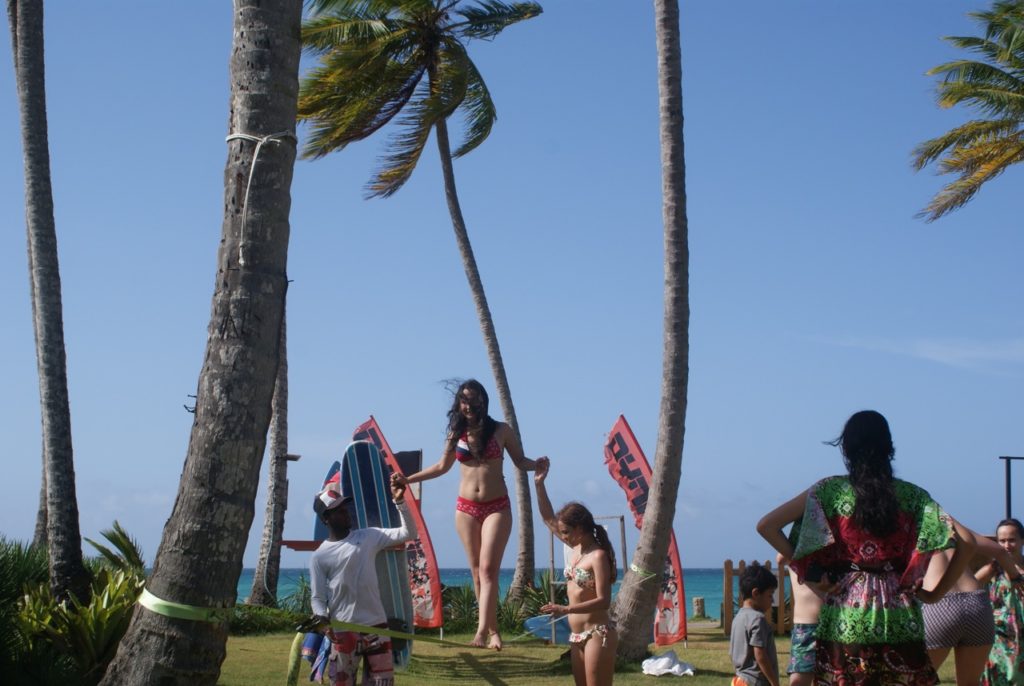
(483, 513)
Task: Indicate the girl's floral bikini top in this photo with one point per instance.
(583, 578)
(491, 452)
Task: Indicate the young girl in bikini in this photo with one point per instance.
(589, 577)
(483, 513)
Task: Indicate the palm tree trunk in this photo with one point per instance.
(67, 572)
(636, 600)
(268, 566)
(39, 536)
(524, 572)
(200, 555)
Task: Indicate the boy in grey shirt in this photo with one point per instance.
(751, 643)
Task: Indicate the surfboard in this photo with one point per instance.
(424, 576)
(540, 626)
(365, 477)
(319, 528)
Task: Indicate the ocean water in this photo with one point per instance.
(706, 583)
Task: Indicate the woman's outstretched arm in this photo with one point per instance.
(433, 471)
(547, 513)
(770, 526)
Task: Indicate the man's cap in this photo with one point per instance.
(328, 499)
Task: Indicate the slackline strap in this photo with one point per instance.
(642, 572)
(380, 631)
(182, 611)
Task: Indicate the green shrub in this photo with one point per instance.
(21, 566)
(299, 601)
(247, 620)
(87, 634)
(511, 615)
(536, 597)
(459, 603)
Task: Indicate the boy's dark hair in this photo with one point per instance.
(756, 576)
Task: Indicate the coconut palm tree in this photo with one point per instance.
(639, 592)
(993, 86)
(67, 571)
(382, 59)
(200, 555)
(268, 565)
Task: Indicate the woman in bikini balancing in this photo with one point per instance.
(483, 513)
(589, 578)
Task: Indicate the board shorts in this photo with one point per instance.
(959, 619)
(481, 510)
(348, 647)
(803, 648)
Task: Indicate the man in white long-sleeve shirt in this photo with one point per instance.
(343, 578)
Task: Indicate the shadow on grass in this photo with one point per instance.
(486, 666)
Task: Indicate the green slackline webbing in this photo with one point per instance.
(642, 572)
(380, 631)
(182, 611)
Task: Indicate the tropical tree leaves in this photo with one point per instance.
(373, 57)
(981, 149)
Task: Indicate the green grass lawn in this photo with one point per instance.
(263, 661)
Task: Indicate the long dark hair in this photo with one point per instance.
(866, 445)
(1015, 523)
(457, 424)
(577, 516)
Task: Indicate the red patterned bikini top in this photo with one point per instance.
(491, 452)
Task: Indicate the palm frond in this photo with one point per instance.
(324, 34)
(968, 159)
(363, 8)
(1008, 54)
(978, 166)
(981, 85)
(476, 105)
(432, 103)
(980, 150)
(966, 135)
(128, 555)
(342, 111)
(972, 71)
(373, 55)
(490, 17)
(995, 102)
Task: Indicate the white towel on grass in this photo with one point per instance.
(667, 663)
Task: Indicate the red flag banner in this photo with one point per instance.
(424, 577)
(628, 466)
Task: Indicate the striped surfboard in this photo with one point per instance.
(424, 576)
(365, 477)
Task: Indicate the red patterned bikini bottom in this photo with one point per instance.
(481, 510)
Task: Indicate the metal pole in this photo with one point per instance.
(1009, 508)
(1009, 481)
(551, 581)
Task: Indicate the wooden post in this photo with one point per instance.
(698, 606)
(727, 597)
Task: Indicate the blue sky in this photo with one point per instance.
(814, 291)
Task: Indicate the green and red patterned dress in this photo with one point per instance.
(870, 629)
(1005, 665)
